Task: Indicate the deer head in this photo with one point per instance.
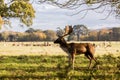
(61, 40)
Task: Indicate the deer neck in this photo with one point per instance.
(63, 45)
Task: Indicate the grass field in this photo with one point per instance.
(34, 63)
(56, 68)
(7, 48)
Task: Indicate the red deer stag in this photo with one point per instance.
(75, 48)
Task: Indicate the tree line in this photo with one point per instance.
(112, 34)
(80, 33)
(29, 35)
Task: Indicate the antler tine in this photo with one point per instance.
(68, 30)
(59, 32)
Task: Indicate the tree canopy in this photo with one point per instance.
(21, 9)
(80, 30)
(24, 10)
(111, 6)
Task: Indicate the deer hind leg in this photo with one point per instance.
(92, 57)
(89, 59)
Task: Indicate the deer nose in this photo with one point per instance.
(55, 42)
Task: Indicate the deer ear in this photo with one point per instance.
(59, 36)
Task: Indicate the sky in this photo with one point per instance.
(51, 17)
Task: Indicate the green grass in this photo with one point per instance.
(56, 68)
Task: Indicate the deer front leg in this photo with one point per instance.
(70, 59)
(73, 59)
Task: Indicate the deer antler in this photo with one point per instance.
(68, 30)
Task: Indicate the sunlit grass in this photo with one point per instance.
(56, 67)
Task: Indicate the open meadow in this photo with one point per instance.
(36, 61)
